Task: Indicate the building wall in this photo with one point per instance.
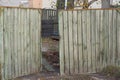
(35, 3)
(10, 2)
(47, 4)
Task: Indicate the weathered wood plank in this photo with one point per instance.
(106, 36)
(31, 38)
(36, 41)
(114, 37)
(84, 27)
(65, 29)
(88, 43)
(26, 40)
(39, 41)
(9, 43)
(101, 39)
(6, 43)
(19, 42)
(110, 37)
(93, 39)
(2, 44)
(22, 45)
(11, 21)
(16, 17)
(61, 45)
(80, 42)
(70, 35)
(75, 41)
(98, 40)
(118, 37)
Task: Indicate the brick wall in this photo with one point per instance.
(35, 3)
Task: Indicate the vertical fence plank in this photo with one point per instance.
(22, 45)
(104, 39)
(2, 44)
(19, 42)
(101, 39)
(26, 40)
(93, 39)
(9, 43)
(97, 40)
(15, 40)
(118, 37)
(88, 43)
(39, 41)
(11, 25)
(107, 36)
(75, 41)
(70, 33)
(110, 38)
(80, 41)
(27, 46)
(39, 58)
(65, 29)
(31, 35)
(84, 28)
(61, 44)
(30, 54)
(5, 43)
(36, 49)
(114, 37)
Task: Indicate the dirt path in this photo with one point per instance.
(38, 76)
(55, 76)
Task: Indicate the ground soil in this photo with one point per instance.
(56, 76)
(51, 53)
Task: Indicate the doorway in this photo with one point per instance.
(50, 41)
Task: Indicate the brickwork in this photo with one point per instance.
(35, 3)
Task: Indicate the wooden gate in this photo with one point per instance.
(89, 40)
(20, 36)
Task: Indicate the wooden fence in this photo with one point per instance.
(20, 36)
(89, 40)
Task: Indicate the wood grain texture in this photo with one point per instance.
(65, 31)
(90, 39)
(20, 41)
(61, 45)
(70, 36)
(1, 44)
